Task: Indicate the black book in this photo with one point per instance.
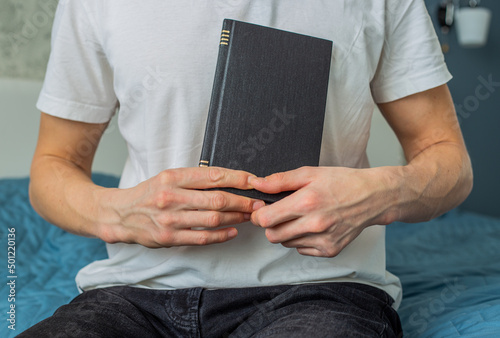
(268, 102)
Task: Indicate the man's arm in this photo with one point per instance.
(157, 213)
(333, 205)
(438, 176)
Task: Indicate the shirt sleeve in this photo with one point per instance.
(79, 80)
(411, 59)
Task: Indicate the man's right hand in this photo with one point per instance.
(165, 210)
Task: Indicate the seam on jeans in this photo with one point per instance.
(197, 314)
(272, 332)
(384, 330)
(186, 324)
(112, 290)
(383, 315)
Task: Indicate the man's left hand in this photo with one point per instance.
(329, 209)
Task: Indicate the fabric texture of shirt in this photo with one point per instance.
(155, 60)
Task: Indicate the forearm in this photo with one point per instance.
(333, 205)
(433, 182)
(159, 212)
(64, 194)
(438, 176)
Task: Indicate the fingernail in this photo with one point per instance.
(232, 233)
(257, 205)
(254, 179)
(251, 179)
(247, 216)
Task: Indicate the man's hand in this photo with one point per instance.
(333, 205)
(162, 211)
(329, 209)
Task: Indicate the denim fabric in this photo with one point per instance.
(311, 310)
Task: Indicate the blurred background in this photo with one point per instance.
(25, 28)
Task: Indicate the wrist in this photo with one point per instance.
(397, 193)
(106, 218)
(416, 199)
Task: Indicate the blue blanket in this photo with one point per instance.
(450, 271)
(46, 258)
(449, 267)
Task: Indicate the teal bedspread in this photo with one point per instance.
(449, 267)
(450, 271)
(46, 258)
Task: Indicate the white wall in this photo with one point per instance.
(19, 120)
(383, 148)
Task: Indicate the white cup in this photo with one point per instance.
(473, 25)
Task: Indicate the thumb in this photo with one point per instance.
(283, 181)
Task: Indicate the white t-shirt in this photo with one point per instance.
(156, 60)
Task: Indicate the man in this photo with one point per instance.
(312, 264)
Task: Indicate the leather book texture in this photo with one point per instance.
(268, 102)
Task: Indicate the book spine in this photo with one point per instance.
(215, 107)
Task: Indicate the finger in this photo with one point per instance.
(290, 231)
(206, 178)
(320, 244)
(312, 245)
(284, 210)
(306, 246)
(213, 219)
(199, 237)
(306, 241)
(214, 200)
(188, 219)
(311, 252)
(283, 181)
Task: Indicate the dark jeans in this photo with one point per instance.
(311, 310)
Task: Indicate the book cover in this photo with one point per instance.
(268, 102)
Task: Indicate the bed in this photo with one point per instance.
(449, 267)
